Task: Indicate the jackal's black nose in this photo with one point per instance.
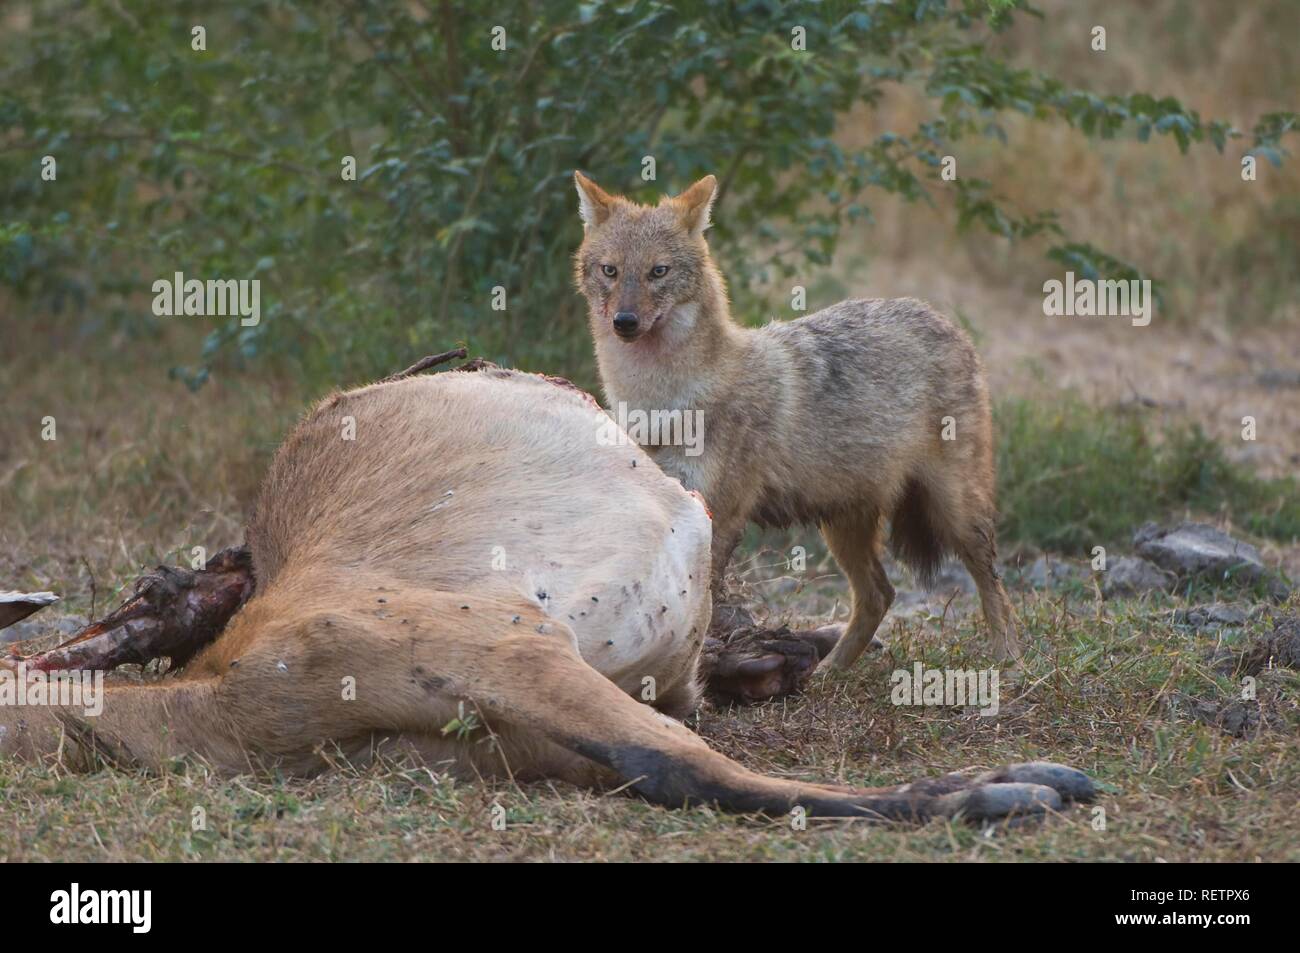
(625, 323)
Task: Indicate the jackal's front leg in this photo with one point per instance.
(742, 661)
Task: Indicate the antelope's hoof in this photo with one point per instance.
(1017, 791)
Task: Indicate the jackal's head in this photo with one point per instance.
(640, 265)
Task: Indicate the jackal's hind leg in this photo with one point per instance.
(977, 548)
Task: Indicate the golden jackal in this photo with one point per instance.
(864, 412)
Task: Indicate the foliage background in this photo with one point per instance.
(226, 162)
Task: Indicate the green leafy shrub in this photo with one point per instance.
(1072, 476)
(226, 162)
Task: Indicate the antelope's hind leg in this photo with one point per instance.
(520, 668)
(412, 665)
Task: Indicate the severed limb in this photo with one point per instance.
(173, 612)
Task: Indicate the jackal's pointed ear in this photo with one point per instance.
(694, 204)
(594, 203)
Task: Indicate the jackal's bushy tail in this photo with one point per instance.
(915, 537)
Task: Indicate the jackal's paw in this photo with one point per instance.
(1015, 791)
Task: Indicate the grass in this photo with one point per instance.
(1098, 693)
(1072, 476)
(141, 470)
(166, 470)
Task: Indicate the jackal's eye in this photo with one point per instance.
(658, 271)
(609, 270)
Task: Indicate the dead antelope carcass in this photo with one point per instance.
(473, 544)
